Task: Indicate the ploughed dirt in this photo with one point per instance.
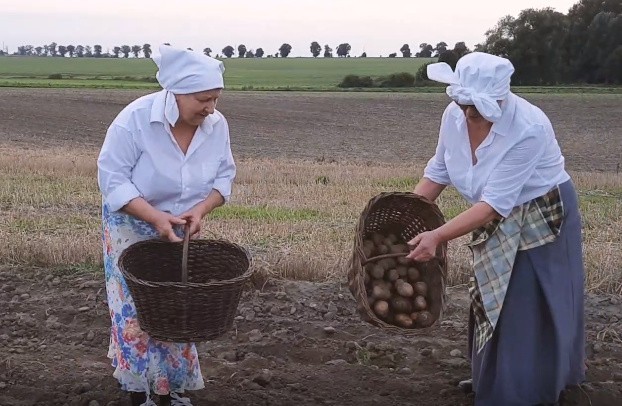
(333, 126)
(292, 343)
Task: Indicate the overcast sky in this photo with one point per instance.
(378, 27)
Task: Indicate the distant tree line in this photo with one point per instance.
(547, 47)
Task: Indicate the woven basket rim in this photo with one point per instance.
(232, 281)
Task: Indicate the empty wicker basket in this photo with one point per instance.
(403, 216)
(186, 292)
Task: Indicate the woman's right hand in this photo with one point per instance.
(164, 224)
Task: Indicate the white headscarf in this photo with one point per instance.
(480, 79)
(181, 71)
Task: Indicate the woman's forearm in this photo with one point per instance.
(141, 209)
(213, 200)
(469, 220)
(428, 189)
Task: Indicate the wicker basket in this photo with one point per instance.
(186, 292)
(404, 215)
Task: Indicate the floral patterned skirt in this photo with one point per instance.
(142, 364)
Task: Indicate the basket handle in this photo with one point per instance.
(184, 257)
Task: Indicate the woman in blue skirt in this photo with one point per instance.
(526, 328)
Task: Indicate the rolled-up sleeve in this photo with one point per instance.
(116, 160)
(436, 170)
(226, 172)
(508, 178)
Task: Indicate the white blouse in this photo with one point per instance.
(140, 158)
(518, 161)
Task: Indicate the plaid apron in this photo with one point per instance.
(494, 249)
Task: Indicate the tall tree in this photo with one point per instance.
(328, 51)
(316, 49)
(52, 48)
(207, 51)
(125, 50)
(116, 51)
(62, 50)
(259, 53)
(343, 50)
(228, 51)
(79, 51)
(147, 50)
(241, 51)
(136, 50)
(440, 48)
(97, 51)
(405, 50)
(71, 50)
(88, 51)
(39, 51)
(285, 49)
(460, 49)
(425, 50)
(249, 54)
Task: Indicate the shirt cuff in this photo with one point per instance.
(122, 195)
(224, 187)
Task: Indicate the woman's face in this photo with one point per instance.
(195, 107)
(471, 113)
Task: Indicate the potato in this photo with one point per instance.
(414, 316)
(425, 319)
(420, 303)
(388, 242)
(402, 271)
(377, 272)
(401, 305)
(370, 300)
(369, 244)
(403, 320)
(392, 238)
(381, 292)
(392, 275)
(399, 248)
(368, 252)
(404, 261)
(382, 249)
(387, 263)
(377, 238)
(404, 289)
(413, 274)
(381, 308)
(421, 288)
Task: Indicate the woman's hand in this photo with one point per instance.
(424, 246)
(193, 217)
(164, 223)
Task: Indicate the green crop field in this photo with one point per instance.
(321, 74)
(265, 73)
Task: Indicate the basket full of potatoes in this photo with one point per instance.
(392, 291)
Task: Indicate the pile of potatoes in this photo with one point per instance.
(395, 291)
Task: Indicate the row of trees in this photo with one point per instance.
(80, 51)
(342, 51)
(548, 47)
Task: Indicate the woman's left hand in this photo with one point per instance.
(193, 218)
(424, 246)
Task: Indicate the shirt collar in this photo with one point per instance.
(157, 114)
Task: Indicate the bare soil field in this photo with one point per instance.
(293, 342)
(332, 126)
